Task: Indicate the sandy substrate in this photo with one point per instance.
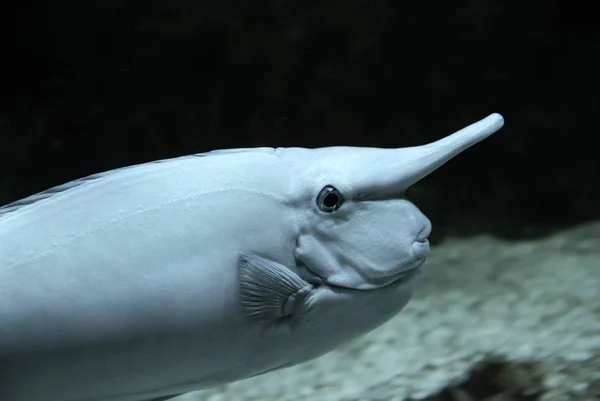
(492, 320)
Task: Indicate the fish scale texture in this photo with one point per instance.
(528, 312)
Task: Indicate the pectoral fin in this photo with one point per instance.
(269, 290)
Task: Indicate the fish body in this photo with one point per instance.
(183, 274)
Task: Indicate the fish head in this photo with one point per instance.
(355, 227)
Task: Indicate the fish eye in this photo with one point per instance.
(329, 199)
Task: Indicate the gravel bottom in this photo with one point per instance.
(492, 320)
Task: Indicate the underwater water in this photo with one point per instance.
(508, 307)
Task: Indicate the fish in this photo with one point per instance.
(158, 279)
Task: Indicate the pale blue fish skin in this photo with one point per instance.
(162, 278)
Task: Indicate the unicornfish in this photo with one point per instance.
(153, 280)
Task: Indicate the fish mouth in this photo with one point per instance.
(309, 275)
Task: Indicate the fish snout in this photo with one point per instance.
(420, 250)
(410, 262)
(425, 231)
(420, 246)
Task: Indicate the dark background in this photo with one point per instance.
(88, 86)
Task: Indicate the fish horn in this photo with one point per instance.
(394, 170)
(421, 161)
